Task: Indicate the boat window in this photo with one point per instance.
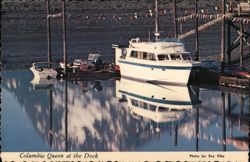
(186, 57)
(134, 102)
(145, 105)
(134, 54)
(162, 109)
(124, 52)
(124, 96)
(175, 57)
(140, 55)
(176, 110)
(144, 55)
(152, 107)
(163, 57)
(151, 56)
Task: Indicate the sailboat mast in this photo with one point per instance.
(157, 34)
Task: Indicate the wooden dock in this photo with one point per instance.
(212, 78)
(88, 75)
(234, 82)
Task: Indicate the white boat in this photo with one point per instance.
(159, 103)
(162, 60)
(43, 70)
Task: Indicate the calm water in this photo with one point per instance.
(119, 115)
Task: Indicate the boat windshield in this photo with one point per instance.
(42, 65)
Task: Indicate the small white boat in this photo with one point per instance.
(43, 70)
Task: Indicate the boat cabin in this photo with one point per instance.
(185, 56)
(160, 51)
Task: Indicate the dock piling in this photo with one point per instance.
(229, 42)
(223, 38)
(64, 38)
(196, 32)
(175, 21)
(48, 31)
(241, 44)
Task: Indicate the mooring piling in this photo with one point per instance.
(241, 44)
(64, 39)
(223, 37)
(48, 30)
(229, 42)
(197, 55)
(175, 20)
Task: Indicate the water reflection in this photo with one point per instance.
(125, 115)
(158, 103)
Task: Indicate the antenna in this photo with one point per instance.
(157, 34)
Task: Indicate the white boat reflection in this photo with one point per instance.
(159, 103)
(43, 83)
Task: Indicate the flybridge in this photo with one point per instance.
(156, 47)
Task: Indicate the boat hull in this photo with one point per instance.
(46, 73)
(171, 75)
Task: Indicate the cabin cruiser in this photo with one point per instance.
(159, 103)
(43, 70)
(163, 61)
(159, 60)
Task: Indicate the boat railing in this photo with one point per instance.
(177, 61)
(145, 40)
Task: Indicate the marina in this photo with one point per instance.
(154, 59)
(149, 86)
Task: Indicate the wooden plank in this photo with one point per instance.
(234, 82)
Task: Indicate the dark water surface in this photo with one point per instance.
(119, 115)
